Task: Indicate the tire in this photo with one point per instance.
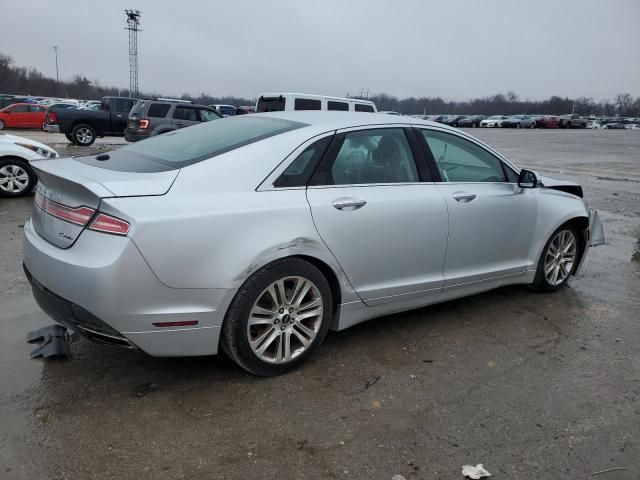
(533, 125)
(518, 125)
(544, 279)
(83, 135)
(273, 324)
(2, 125)
(16, 177)
(476, 125)
(69, 137)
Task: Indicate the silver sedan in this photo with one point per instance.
(258, 234)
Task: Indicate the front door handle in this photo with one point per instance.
(464, 197)
(348, 204)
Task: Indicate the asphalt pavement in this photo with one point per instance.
(533, 386)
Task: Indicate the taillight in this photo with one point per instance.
(52, 118)
(107, 224)
(81, 215)
(143, 123)
(77, 216)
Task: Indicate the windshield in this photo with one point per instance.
(187, 146)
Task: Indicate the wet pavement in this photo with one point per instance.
(543, 386)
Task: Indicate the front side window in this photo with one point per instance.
(373, 156)
(307, 104)
(208, 115)
(36, 108)
(186, 113)
(361, 107)
(158, 110)
(459, 160)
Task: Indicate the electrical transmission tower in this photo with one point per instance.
(133, 25)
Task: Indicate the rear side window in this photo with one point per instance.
(360, 107)
(340, 106)
(158, 110)
(271, 104)
(307, 104)
(35, 108)
(187, 146)
(298, 173)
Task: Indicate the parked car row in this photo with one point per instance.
(530, 121)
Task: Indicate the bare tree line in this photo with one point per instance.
(30, 81)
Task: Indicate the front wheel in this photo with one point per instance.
(278, 318)
(1, 125)
(16, 177)
(83, 135)
(558, 260)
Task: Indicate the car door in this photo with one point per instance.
(491, 219)
(120, 114)
(380, 215)
(185, 116)
(35, 116)
(18, 116)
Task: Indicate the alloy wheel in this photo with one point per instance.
(560, 257)
(84, 135)
(13, 179)
(285, 319)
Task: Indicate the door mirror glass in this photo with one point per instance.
(528, 179)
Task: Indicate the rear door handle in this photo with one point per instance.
(464, 197)
(348, 204)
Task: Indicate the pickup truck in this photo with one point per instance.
(81, 127)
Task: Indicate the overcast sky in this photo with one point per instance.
(454, 49)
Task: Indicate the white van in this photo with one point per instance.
(278, 102)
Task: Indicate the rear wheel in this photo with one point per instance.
(278, 318)
(1, 125)
(518, 125)
(16, 177)
(558, 260)
(83, 135)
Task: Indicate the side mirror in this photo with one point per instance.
(528, 179)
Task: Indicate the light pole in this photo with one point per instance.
(55, 49)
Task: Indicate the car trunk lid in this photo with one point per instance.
(69, 190)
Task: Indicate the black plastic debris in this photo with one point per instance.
(53, 340)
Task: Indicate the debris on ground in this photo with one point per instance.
(398, 477)
(53, 340)
(616, 469)
(476, 472)
(371, 382)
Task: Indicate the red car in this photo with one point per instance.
(22, 115)
(547, 121)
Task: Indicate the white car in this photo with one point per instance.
(493, 122)
(16, 154)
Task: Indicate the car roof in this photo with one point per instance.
(335, 120)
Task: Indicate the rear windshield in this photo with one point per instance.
(271, 104)
(187, 146)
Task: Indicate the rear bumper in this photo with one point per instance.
(103, 288)
(132, 135)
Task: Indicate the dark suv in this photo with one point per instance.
(153, 117)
